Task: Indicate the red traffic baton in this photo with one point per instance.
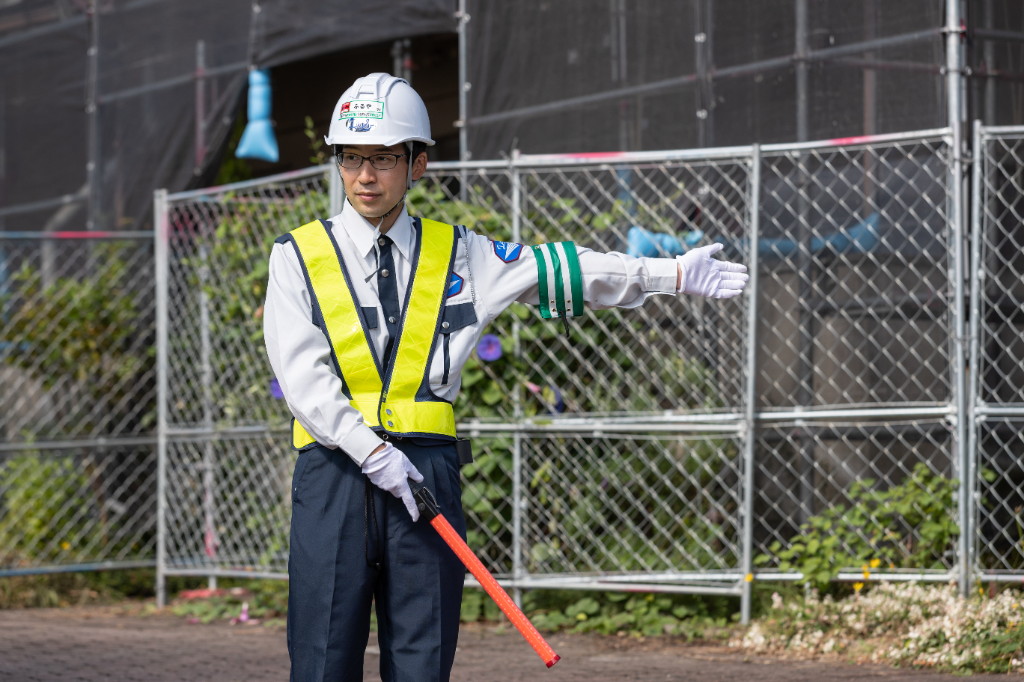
(428, 508)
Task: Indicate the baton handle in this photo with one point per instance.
(428, 507)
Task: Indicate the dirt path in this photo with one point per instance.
(117, 644)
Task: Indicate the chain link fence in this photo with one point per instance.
(687, 445)
(78, 401)
(671, 447)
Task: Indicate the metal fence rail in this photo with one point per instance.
(78, 402)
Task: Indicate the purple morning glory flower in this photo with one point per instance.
(489, 348)
(275, 389)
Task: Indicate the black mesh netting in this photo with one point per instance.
(717, 72)
(545, 76)
(147, 90)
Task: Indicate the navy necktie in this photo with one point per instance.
(387, 289)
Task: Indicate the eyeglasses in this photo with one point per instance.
(354, 161)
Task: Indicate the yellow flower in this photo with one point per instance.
(857, 587)
(65, 546)
(875, 563)
(867, 575)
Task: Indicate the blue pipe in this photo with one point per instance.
(859, 239)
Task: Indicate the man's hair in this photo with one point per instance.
(417, 149)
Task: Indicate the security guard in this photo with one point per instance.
(369, 319)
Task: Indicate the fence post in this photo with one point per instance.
(974, 356)
(209, 466)
(160, 235)
(959, 330)
(517, 409)
(751, 387)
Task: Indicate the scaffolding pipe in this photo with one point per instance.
(200, 146)
(989, 52)
(464, 154)
(92, 170)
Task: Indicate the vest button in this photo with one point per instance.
(391, 319)
(381, 241)
(391, 423)
(444, 325)
(384, 273)
(389, 412)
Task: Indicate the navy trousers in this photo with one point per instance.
(346, 553)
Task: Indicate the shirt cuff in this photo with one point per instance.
(662, 274)
(360, 443)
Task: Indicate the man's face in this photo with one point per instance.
(374, 192)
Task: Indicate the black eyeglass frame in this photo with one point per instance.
(339, 155)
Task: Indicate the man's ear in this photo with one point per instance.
(419, 166)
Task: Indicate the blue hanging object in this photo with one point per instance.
(861, 238)
(658, 244)
(258, 141)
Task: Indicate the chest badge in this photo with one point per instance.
(508, 252)
(455, 285)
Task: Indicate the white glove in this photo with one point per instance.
(702, 275)
(390, 470)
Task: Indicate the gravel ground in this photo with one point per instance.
(117, 643)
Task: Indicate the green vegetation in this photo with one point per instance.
(99, 351)
(906, 526)
(610, 613)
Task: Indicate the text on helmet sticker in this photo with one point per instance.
(508, 252)
(362, 109)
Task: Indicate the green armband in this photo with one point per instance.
(559, 262)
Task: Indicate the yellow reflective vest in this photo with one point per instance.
(396, 399)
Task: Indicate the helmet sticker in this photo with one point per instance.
(362, 109)
(360, 125)
(455, 285)
(508, 252)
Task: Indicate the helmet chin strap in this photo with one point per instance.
(392, 209)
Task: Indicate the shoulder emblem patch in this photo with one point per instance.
(508, 252)
(455, 285)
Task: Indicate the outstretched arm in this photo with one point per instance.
(505, 273)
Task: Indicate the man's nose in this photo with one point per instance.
(367, 173)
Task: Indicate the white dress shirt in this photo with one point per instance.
(300, 354)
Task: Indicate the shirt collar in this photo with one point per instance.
(361, 231)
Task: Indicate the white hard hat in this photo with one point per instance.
(379, 109)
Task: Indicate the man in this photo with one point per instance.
(369, 318)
